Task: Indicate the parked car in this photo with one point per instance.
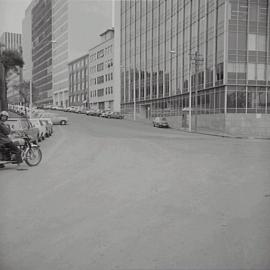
(105, 114)
(41, 126)
(116, 115)
(23, 125)
(83, 111)
(49, 126)
(55, 118)
(91, 112)
(160, 122)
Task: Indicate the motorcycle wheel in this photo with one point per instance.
(33, 156)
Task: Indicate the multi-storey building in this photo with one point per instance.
(72, 27)
(158, 42)
(42, 51)
(101, 89)
(12, 41)
(79, 81)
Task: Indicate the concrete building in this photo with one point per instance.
(101, 86)
(12, 41)
(73, 28)
(27, 42)
(159, 41)
(79, 81)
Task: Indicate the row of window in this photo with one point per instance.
(101, 79)
(82, 63)
(101, 92)
(77, 98)
(101, 66)
(239, 100)
(101, 53)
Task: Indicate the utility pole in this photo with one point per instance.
(197, 59)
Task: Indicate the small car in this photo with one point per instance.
(160, 122)
(116, 115)
(55, 118)
(24, 125)
(41, 126)
(105, 114)
(49, 126)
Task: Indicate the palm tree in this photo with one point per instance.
(10, 60)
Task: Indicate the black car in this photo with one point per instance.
(116, 115)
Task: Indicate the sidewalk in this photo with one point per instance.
(203, 131)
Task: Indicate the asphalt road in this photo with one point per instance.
(112, 194)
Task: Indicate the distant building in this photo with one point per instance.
(101, 86)
(79, 81)
(65, 29)
(12, 41)
(158, 42)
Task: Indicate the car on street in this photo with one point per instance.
(49, 126)
(90, 112)
(160, 122)
(116, 115)
(41, 126)
(105, 114)
(55, 118)
(23, 125)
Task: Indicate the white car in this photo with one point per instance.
(41, 126)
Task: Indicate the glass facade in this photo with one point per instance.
(159, 41)
(42, 51)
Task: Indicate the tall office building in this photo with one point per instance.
(65, 29)
(42, 52)
(159, 42)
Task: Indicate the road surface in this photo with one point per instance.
(113, 194)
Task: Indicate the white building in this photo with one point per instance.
(101, 73)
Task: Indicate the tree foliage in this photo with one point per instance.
(11, 60)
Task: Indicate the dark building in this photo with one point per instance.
(231, 39)
(79, 81)
(42, 51)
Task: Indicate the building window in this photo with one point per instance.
(100, 54)
(100, 67)
(100, 79)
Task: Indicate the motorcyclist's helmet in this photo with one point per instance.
(4, 113)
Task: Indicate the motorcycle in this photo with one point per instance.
(31, 153)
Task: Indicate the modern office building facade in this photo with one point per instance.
(158, 43)
(60, 14)
(79, 81)
(101, 77)
(42, 52)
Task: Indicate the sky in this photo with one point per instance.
(12, 14)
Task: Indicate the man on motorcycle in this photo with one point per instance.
(5, 141)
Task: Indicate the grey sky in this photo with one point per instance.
(12, 14)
